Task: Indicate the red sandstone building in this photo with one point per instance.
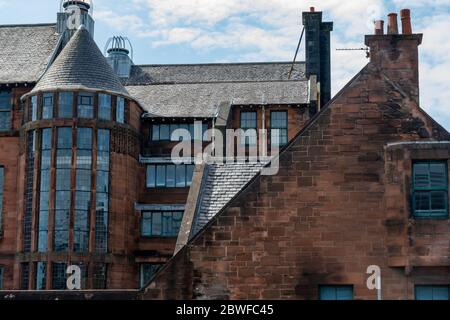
(86, 176)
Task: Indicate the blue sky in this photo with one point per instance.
(193, 31)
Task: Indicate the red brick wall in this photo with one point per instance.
(322, 218)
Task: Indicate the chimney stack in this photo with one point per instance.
(392, 23)
(379, 27)
(405, 15)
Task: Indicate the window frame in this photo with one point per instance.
(245, 140)
(8, 111)
(162, 233)
(432, 287)
(82, 107)
(336, 287)
(430, 189)
(281, 129)
(186, 184)
(44, 98)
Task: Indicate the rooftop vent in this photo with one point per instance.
(119, 52)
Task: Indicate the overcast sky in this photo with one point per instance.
(202, 31)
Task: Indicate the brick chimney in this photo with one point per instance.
(397, 55)
(318, 51)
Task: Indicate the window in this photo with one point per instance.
(41, 275)
(161, 223)
(336, 292)
(47, 106)
(249, 125)
(65, 106)
(164, 132)
(278, 120)
(169, 176)
(1, 277)
(83, 189)
(34, 108)
(430, 189)
(2, 185)
(63, 189)
(44, 199)
(86, 105)
(120, 110)
(29, 191)
(102, 187)
(5, 111)
(24, 276)
(99, 276)
(147, 273)
(104, 106)
(432, 292)
(59, 276)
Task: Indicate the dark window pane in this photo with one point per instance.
(64, 138)
(432, 292)
(181, 176)
(24, 276)
(81, 231)
(59, 276)
(103, 140)
(147, 273)
(84, 159)
(84, 138)
(102, 181)
(157, 223)
(151, 176)
(439, 200)
(99, 276)
(155, 132)
(41, 275)
(104, 106)
(65, 106)
(189, 174)
(86, 106)
(47, 106)
(161, 176)
(120, 110)
(336, 293)
(164, 132)
(170, 179)
(34, 108)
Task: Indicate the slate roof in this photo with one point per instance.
(214, 72)
(221, 183)
(203, 99)
(80, 65)
(25, 51)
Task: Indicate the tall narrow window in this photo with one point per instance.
(47, 106)
(44, 202)
(249, 126)
(65, 105)
(59, 276)
(83, 189)
(24, 276)
(120, 110)
(41, 275)
(279, 126)
(2, 270)
(102, 187)
(104, 106)
(5, 111)
(2, 186)
(430, 189)
(34, 108)
(29, 190)
(62, 190)
(336, 292)
(86, 105)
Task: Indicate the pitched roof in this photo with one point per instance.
(220, 184)
(25, 51)
(80, 65)
(215, 72)
(203, 99)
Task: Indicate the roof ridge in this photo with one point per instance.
(217, 64)
(27, 25)
(212, 82)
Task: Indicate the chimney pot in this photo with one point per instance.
(405, 15)
(379, 27)
(392, 23)
(312, 9)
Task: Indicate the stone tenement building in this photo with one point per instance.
(86, 176)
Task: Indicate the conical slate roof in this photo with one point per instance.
(80, 65)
